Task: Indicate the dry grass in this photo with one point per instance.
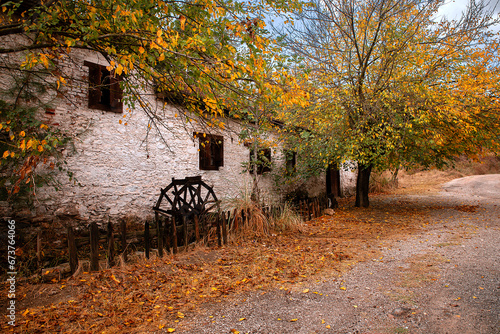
(425, 181)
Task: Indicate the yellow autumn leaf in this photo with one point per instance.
(119, 69)
(328, 326)
(141, 50)
(234, 331)
(183, 21)
(305, 291)
(343, 288)
(115, 279)
(170, 330)
(22, 146)
(241, 319)
(293, 320)
(22, 133)
(40, 148)
(12, 154)
(6, 154)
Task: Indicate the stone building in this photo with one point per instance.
(119, 166)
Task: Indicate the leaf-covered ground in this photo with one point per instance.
(148, 295)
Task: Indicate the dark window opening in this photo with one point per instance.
(290, 162)
(211, 151)
(104, 89)
(263, 160)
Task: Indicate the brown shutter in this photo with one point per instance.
(115, 92)
(94, 83)
(204, 153)
(218, 151)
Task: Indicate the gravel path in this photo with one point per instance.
(445, 279)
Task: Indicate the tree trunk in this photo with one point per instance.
(255, 186)
(333, 181)
(363, 186)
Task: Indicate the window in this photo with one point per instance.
(290, 162)
(104, 89)
(263, 161)
(211, 151)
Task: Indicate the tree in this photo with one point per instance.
(208, 55)
(393, 84)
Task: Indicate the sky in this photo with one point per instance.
(453, 8)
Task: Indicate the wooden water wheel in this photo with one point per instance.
(185, 198)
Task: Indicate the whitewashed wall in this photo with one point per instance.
(120, 170)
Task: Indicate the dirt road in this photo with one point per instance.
(443, 279)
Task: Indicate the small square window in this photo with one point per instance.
(104, 89)
(263, 161)
(211, 151)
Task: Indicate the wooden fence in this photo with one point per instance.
(168, 234)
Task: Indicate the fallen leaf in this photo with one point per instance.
(305, 291)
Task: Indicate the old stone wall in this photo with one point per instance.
(119, 166)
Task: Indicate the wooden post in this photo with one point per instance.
(73, 254)
(167, 235)
(243, 217)
(185, 229)
(217, 221)
(224, 228)
(147, 244)
(94, 247)
(174, 236)
(228, 220)
(123, 236)
(235, 216)
(111, 246)
(39, 249)
(197, 228)
(159, 234)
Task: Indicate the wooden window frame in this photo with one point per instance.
(102, 95)
(211, 151)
